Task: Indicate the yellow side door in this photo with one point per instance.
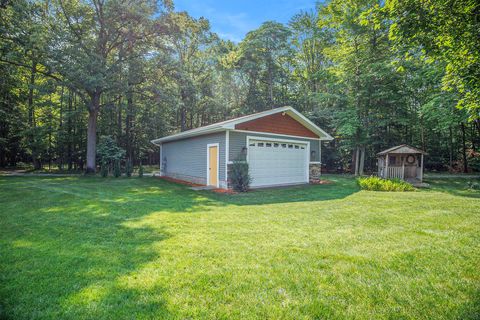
(213, 165)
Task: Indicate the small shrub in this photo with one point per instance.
(108, 150)
(239, 176)
(22, 165)
(473, 185)
(104, 169)
(128, 168)
(140, 171)
(379, 184)
(117, 171)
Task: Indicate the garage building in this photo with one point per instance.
(281, 146)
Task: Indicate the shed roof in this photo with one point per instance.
(230, 125)
(403, 148)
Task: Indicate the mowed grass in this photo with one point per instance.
(92, 248)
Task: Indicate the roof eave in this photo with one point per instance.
(230, 125)
(184, 135)
(391, 150)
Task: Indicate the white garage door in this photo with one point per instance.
(277, 162)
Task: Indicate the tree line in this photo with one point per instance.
(372, 73)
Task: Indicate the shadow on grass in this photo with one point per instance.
(340, 188)
(72, 247)
(455, 186)
(71, 274)
(67, 247)
(171, 197)
(67, 242)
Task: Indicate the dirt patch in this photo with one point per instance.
(321, 182)
(183, 182)
(224, 191)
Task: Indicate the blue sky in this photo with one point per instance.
(232, 19)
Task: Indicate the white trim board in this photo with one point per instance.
(275, 134)
(310, 162)
(218, 163)
(161, 160)
(227, 151)
(275, 139)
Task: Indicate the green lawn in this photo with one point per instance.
(92, 248)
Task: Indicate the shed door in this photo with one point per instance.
(213, 166)
(277, 162)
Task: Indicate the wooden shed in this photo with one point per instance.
(402, 162)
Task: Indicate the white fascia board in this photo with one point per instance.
(187, 134)
(231, 124)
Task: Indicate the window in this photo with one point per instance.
(268, 144)
(302, 148)
(297, 146)
(260, 144)
(392, 160)
(275, 145)
(284, 145)
(290, 146)
(252, 144)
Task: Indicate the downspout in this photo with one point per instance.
(320, 154)
(227, 151)
(161, 160)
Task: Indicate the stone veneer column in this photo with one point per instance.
(315, 171)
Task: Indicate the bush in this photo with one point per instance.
(379, 184)
(239, 176)
(140, 171)
(22, 165)
(109, 152)
(128, 168)
(117, 171)
(474, 185)
(104, 169)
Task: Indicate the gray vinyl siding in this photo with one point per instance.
(238, 140)
(187, 158)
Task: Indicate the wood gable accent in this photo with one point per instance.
(280, 123)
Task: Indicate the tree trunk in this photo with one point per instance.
(31, 116)
(270, 87)
(92, 132)
(464, 149)
(69, 132)
(472, 137)
(362, 161)
(451, 148)
(357, 158)
(183, 111)
(60, 140)
(422, 135)
(183, 119)
(128, 124)
(477, 124)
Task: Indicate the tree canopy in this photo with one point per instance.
(372, 73)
